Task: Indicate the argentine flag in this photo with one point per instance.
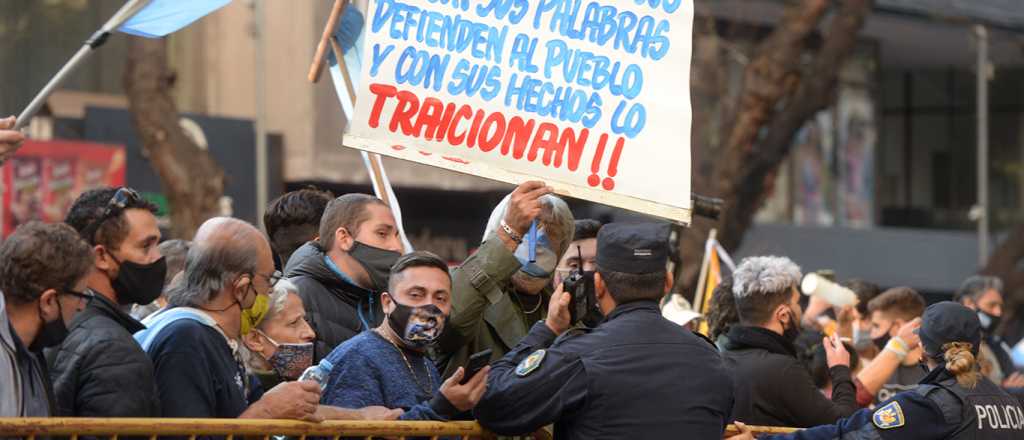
(162, 17)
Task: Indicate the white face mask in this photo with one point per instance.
(861, 339)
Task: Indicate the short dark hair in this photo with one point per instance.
(722, 310)
(903, 302)
(586, 228)
(976, 285)
(629, 287)
(758, 309)
(40, 256)
(416, 259)
(294, 218)
(865, 291)
(347, 211)
(89, 207)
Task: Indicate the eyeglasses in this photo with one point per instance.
(123, 198)
(85, 296)
(273, 278)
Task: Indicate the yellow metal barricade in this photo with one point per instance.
(73, 427)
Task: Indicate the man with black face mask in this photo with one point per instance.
(100, 371)
(983, 295)
(772, 386)
(42, 275)
(341, 275)
(388, 366)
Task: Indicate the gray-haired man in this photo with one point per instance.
(772, 385)
(194, 342)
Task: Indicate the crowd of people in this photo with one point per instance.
(102, 319)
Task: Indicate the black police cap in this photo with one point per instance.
(946, 322)
(635, 248)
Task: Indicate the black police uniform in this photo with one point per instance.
(939, 408)
(636, 375)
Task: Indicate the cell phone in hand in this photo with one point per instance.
(476, 363)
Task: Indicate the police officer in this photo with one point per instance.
(953, 402)
(636, 375)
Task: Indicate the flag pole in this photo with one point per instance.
(698, 297)
(97, 39)
(374, 164)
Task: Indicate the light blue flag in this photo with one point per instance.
(161, 17)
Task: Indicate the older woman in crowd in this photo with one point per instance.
(281, 346)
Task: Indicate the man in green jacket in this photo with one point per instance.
(498, 293)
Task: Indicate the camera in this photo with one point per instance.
(583, 303)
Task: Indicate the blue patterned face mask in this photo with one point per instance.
(546, 258)
(290, 360)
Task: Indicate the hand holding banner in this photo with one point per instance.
(589, 96)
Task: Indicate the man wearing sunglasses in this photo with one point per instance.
(42, 275)
(100, 371)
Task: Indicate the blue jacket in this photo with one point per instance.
(370, 371)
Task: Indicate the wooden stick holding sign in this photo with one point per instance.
(374, 163)
(325, 40)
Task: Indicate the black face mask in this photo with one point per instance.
(139, 283)
(377, 263)
(792, 331)
(420, 326)
(988, 322)
(883, 340)
(52, 333)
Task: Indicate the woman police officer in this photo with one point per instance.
(953, 402)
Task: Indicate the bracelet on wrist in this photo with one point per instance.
(515, 236)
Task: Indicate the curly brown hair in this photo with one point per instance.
(722, 312)
(40, 256)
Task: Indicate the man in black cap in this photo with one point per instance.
(954, 401)
(633, 376)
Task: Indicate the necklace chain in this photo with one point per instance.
(429, 390)
(523, 308)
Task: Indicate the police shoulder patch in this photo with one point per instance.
(889, 416)
(526, 366)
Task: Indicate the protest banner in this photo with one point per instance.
(591, 96)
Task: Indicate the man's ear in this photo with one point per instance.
(48, 306)
(783, 314)
(343, 239)
(103, 260)
(387, 303)
(600, 288)
(242, 282)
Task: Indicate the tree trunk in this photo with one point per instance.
(1005, 262)
(190, 178)
(776, 100)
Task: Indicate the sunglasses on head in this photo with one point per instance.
(122, 199)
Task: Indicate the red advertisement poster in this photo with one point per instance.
(44, 177)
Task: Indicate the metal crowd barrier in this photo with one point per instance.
(73, 427)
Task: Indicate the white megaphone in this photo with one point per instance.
(817, 285)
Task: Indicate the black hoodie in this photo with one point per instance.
(774, 388)
(336, 308)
